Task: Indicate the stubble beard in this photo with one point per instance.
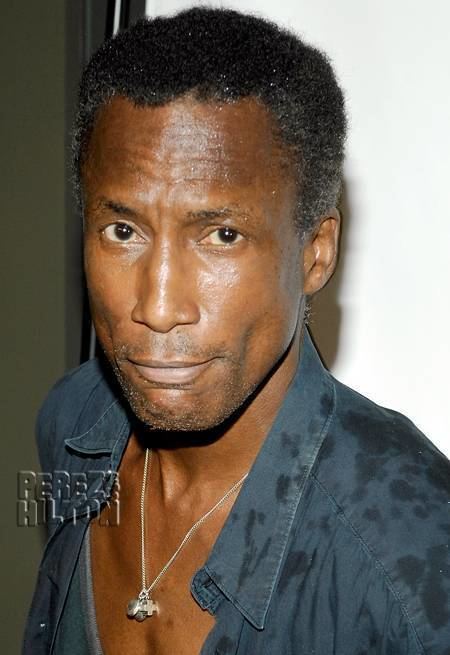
(203, 413)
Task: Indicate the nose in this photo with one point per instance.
(165, 290)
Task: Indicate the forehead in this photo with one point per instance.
(188, 140)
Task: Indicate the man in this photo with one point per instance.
(264, 507)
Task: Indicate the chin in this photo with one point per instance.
(182, 410)
(175, 416)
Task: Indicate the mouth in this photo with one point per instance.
(170, 372)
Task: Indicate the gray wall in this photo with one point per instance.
(32, 274)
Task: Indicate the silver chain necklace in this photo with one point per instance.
(143, 606)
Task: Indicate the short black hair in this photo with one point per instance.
(223, 55)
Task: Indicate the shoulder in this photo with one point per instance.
(391, 486)
(73, 404)
(376, 451)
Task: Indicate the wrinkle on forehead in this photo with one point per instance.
(193, 138)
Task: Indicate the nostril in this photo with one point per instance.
(166, 314)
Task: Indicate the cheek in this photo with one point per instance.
(111, 290)
(279, 297)
(257, 304)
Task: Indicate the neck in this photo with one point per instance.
(216, 459)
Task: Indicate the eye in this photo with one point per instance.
(223, 236)
(120, 233)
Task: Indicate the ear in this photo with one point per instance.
(320, 252)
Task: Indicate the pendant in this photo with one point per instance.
(141, 607)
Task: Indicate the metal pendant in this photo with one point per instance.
(140, 608)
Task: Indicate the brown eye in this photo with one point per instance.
(119, 232)
(227, 235)
(223, 236)
(122, 231)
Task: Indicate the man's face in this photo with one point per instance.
(193, 262)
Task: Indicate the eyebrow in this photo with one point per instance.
(220, 212)
(116, 207)
(204, 215)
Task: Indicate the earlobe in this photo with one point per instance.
(320, 252)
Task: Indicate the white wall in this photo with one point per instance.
(383, 324)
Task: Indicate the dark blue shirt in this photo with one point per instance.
(338, 542)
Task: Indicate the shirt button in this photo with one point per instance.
(42, 625)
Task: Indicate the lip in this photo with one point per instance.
(170, 372)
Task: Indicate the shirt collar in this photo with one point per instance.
(102, 421)
(248, 554)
